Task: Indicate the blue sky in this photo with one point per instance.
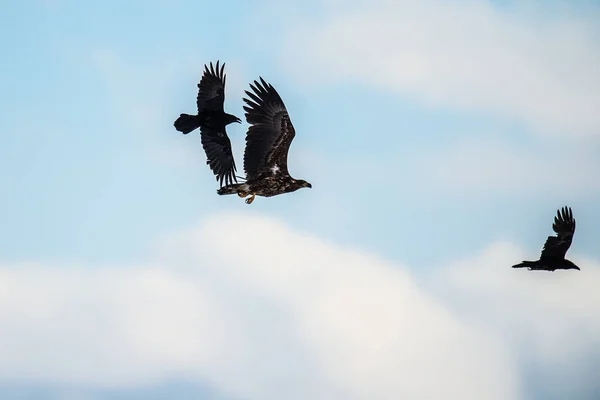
(430, 132)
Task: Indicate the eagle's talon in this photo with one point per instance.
(242, 194)
(250, 199)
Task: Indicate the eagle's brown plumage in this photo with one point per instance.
(267, 145)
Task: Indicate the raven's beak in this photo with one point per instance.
(310, 186)
(239, 121)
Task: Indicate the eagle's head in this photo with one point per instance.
(304, 184)
(299, 184)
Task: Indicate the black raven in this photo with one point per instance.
(212, 120)
(555, 248)
(267, 144)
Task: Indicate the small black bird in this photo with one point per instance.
(555, 248)
(212, 120)
(267, 145)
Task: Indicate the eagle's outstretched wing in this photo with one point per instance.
(211, 89)
(219, 156)
(270, 134)
(564, 226)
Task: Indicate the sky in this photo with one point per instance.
(439, 137)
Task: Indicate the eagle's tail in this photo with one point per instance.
(186, 123)
(234, 188)
(526, 264)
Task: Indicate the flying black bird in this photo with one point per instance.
(212, 120)
(555, 248)
(267, 144)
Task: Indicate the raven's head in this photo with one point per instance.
(569, 265)
(229, 118)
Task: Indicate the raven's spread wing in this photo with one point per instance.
(564, 226)
(211, 93)
(270, 134)
(219, 156)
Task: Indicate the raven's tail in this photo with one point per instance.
(234, 188)
(526, 264)
(187, 123)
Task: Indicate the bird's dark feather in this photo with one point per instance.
(555, 248)
(564, 226)
(267, 144)
(217, 147)
(270, 134)
(211, 89)
(212, 120)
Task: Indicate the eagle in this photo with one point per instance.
(212, 120)
(267, 144)
(555, 248)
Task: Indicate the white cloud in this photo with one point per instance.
(306, 319)
(551, 319)
(522, 61)
(108, 326)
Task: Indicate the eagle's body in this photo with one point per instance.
(212, 120)
(266, 186)
(555, 248)
(267, 144)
